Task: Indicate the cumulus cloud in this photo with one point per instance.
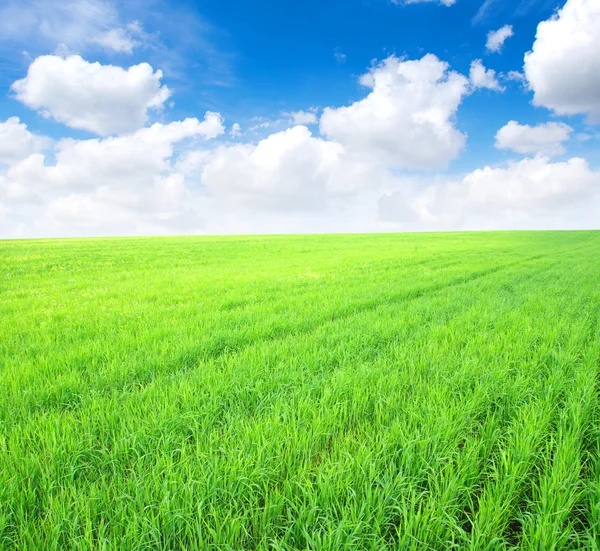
(236, 130)
(496, 39)
(407, 120)
(131, 160)
(148, 182)
(481, 77)
(115, 183)
(163, 179)
(563, 67)
(103, 99)
(211, 126)
(290, 170)
(16, 142)
(303, 117)
(543, 139)
(166, 205)
(532, 191)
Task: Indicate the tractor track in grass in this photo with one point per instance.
(136, 383)
(430, 417)
(523, 277)
(189, 360)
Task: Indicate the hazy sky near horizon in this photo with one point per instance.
(221, 116)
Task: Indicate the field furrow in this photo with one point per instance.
(425, 391)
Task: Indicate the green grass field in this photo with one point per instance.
(363, 392)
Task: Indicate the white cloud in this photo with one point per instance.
(191, 162)
(73, 24)
(212, 126)
(263, 124)
(117, 40)
(159, 179)
(236, 130)
(121, 39)
(16, 142)
(543, 139)
(496, 39)
(290, 181)
(528, 193)
(166, 205)
(131, 160)
(103, 99)
(484, 10)
(303, 117)
(127, 162)
(563, 68)
(289, 170)
(587, 136)
(125, 184)
(533, 185)
(516, 76)
(481, 77)
(339, 56)
(407, 120)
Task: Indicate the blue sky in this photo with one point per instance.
(329, 168)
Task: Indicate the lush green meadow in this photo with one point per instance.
(359, 392)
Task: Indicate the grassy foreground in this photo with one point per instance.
(405, 392)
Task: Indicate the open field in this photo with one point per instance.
(405, 392)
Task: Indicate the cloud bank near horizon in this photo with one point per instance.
(377, 163)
